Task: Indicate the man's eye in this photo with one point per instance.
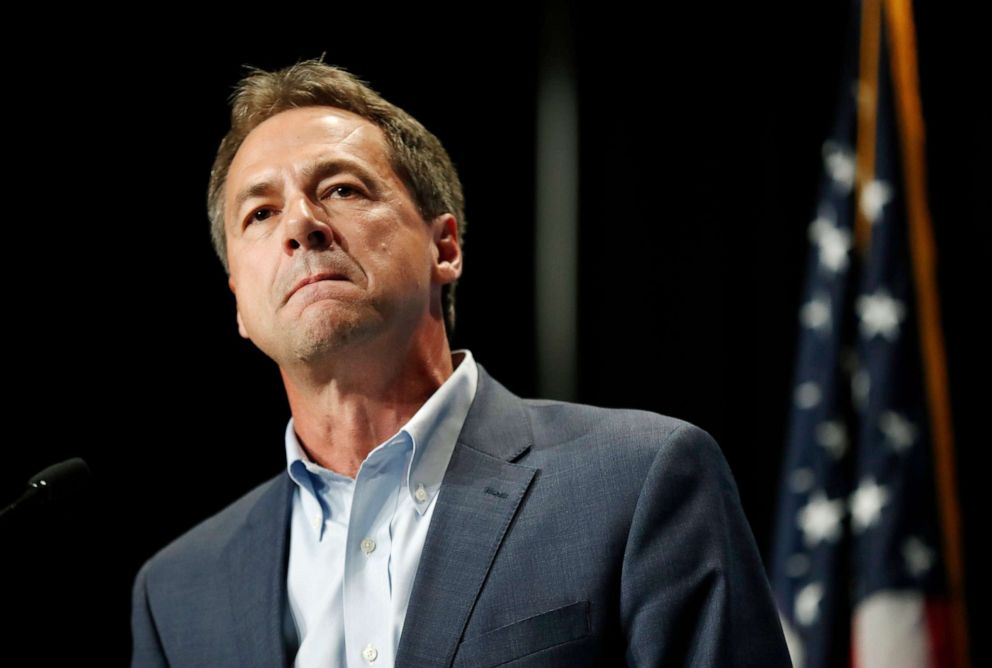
(256, 216)
(342, 191)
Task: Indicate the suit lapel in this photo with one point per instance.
(479, 496)
(257, 590)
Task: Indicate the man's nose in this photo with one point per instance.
(306, 226)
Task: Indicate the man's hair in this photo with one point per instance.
(416, 155)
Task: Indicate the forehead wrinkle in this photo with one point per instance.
(377, 160)
(348, 136)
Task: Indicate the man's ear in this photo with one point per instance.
(241, 323)
(241, 326)
(447, 249)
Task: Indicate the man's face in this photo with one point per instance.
(325, 245)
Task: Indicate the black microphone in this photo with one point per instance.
(56, 484)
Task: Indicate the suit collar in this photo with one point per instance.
(497, 423)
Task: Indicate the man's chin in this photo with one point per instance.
(325, 340)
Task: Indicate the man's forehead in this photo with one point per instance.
(305, 126)
(305, 133)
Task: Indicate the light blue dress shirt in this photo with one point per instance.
(355, 544)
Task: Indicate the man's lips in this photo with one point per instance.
(307, 280)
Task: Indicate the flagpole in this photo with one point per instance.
(902, 50)
(871, 20)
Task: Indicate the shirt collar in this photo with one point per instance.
(433, 431)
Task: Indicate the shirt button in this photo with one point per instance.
(421, 493)
(368, 547)
(370, 653)
(317, 521)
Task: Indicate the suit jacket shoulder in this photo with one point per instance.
(215, 595)
(188, 554)
(612, 451)
(629, 543)
(627, 433)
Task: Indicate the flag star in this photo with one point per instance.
(899, 432)
(801, 480)
(832, 436)
(919, 557)
(880, 314)
(808, 394)
(839, 164)
(874, 195)
(808, 603)
(866, 504)
(820, 519)
(815, 314)
(832, 242)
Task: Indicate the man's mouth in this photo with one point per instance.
(322, 276)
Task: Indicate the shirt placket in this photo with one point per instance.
(367, 595)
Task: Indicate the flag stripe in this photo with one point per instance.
(942, 652)
(890, 631)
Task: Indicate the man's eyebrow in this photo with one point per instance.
(314, 170)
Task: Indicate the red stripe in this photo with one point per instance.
(938, 614)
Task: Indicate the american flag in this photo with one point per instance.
(859, 566)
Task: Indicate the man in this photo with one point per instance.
(427, 516)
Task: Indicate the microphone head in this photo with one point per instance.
(62, 481)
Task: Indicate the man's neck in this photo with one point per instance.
(339, 420)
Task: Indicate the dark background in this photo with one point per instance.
(700, 157)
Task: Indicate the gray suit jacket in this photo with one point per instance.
(565, 535)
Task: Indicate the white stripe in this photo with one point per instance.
(890, 631)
